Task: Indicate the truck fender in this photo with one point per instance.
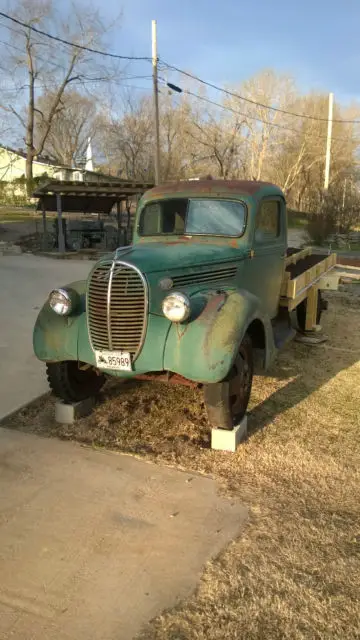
(55, 337)
(204, 348)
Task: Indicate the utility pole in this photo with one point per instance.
(156, 102)
(344, 194)
(328, 142)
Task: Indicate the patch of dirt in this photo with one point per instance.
(352, 262)
(295, 571)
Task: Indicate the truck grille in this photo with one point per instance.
(117, 308)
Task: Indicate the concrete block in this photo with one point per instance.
(223, 440)
(311, 338)
(68, 413)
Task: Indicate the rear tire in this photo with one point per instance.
(226, 402)
(72, 384)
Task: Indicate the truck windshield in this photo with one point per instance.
(198, 216)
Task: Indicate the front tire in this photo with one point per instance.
(72, 384)
(226, 402)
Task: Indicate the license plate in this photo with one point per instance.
(115, 360)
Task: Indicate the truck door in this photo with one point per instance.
(266, 266)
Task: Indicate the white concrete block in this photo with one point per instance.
(68, 413)
(224, 440)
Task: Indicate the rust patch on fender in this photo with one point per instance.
(215, 302)
(221, 335)
(181, 330)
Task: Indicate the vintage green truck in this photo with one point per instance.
(206, 289)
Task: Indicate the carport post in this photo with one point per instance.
(44, 242)
(61, 239)
(118, 215)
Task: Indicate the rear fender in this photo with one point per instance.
(205, 348)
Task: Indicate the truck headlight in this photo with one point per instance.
(60, 300)
(176, 307)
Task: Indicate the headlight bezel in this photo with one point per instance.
(68, 298)
(177, 296)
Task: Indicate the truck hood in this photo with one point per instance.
(157, 256)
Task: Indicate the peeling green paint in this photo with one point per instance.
(222, 308)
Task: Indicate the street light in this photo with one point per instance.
(174, 87)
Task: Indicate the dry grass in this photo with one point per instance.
(295, 571)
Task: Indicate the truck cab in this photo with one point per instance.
(192, 299)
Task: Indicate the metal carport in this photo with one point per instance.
(86, 197)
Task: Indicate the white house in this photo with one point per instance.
(13, 167)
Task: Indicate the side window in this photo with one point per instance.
(268, 222)
(164, 217)
(151, 223)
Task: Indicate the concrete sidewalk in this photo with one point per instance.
(25, 282)
(93, 545)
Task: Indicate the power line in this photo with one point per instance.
(59, 66)
(254, 102)
(174, 68)
(37, 57)
(72, 44)
(85, 82)
(245, 115)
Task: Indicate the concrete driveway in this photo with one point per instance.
(93, 545)
(25, 282)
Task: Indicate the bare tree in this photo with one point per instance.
(299, 169)
(127, 139)
(241, 139)
(262, 132)
(218, 138)
(180, 152)
(73, 123)
(48, 67)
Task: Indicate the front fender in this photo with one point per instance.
(205, 348)
(55, 337)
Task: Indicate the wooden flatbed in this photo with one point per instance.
(305, 273)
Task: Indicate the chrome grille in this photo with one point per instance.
(116, 307)
(204, 276)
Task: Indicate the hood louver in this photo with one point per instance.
(217, 275)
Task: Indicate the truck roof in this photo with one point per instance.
(188, 188)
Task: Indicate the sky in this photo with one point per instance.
(315, 41)
(226, 42)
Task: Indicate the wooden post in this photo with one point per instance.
(128, 222)
(311, 308)
(118, 215)
(61, 239)
(44, 242)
